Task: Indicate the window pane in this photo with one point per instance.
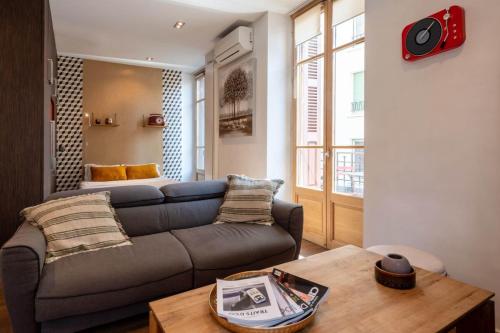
(358, 90)
(349, 171)
(349, 30)
(200, 123)
(310, 48)
(310, 168)
(308, 24)
(349, 95)
(314, 45)
(200, 88)
(200, 159)
(310, 103)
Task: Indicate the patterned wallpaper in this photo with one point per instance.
(69, 123)
(172, 134)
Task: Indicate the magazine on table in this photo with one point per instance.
(310, 292)
(247, 301)
(267, 301)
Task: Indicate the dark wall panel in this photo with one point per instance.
(22, 109)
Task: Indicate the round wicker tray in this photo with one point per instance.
(212, 304)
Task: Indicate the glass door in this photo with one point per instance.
(309, 135)
(347, 145)
(328, 131)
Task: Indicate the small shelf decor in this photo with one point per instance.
(153, 120)
(106, 122)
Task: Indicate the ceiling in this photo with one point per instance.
(132, 30)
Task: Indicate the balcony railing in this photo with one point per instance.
(357, 106)
(349, 171)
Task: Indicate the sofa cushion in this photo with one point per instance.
(121, 196)
(191, 214)
(154, 266)
(77, 224)
(192, 191)
(225, 246)
(248, 200)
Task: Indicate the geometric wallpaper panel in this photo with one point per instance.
(172, 113)
(69, 122)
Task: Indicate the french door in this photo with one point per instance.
(328, 122)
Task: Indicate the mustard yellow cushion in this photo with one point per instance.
(142, 171)
(108, 173)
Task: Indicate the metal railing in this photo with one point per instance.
(357, 106)
(349, 172)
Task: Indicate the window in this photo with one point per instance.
(329, 125)
(200, 127)
(309, 69)
(348, 118)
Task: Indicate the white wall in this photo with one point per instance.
(247, 154)
(432, 135)
(265, 154)
(188, 127)
(279, 100)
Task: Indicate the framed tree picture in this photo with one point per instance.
(237, 98)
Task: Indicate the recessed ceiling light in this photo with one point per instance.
(179, 24)
(149, 58)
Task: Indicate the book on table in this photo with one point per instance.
(267, 300)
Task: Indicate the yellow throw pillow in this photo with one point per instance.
(142, 171)
(108, 173)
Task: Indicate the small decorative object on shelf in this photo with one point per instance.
(108, 121)
(153, 120)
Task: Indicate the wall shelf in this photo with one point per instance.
(92, 123)
(104, 125)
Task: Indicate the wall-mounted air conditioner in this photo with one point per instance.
(236, 44)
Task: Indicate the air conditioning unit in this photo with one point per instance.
(236, 44)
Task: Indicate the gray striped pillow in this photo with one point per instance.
(77, 224)
(248, 200)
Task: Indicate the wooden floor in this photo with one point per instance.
(138, 324)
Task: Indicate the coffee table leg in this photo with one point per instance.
(481, 320)
(153, 324)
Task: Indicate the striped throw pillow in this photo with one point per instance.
(77, 224)
(248, 200)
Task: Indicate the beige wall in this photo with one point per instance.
(130, 92)
(432, 135)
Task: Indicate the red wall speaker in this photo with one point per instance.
(440, 32)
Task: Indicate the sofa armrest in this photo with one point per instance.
(22, 259)
(290, 216)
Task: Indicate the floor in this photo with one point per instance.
(137, 324)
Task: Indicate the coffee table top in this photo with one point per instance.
(356, 303)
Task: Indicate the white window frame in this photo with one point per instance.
(200, 173)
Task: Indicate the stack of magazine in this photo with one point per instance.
(271, 300)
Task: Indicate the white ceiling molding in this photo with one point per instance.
(244, 6)
(142, 63)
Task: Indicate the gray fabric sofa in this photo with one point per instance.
(176, 247)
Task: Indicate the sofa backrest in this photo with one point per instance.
(144, 210)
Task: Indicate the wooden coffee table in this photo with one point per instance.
(356, 303)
